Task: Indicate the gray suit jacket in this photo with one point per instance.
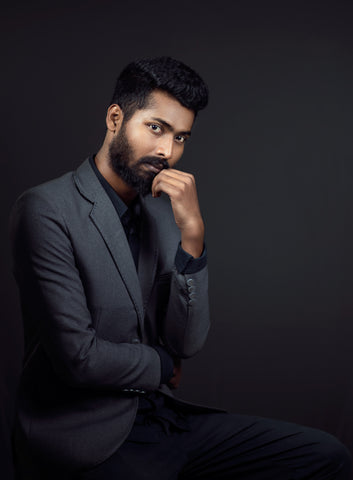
(90, 319)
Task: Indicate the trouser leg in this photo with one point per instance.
(222, 446)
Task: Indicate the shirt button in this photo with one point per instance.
(135, 340)
(190, 282)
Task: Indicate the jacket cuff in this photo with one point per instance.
(167, 363)
(186, 263)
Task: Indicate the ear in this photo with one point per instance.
(114, 118)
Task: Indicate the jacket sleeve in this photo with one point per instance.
(187, 319)
(54, 305)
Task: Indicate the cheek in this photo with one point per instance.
(177, 155)
(142, 143)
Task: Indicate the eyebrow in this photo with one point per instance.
(169, 127)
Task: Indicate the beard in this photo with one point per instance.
(130, 171)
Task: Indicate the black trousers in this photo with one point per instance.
(226, 446)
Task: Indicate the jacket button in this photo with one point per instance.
(135, 340)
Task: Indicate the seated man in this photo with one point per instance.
(113, 284)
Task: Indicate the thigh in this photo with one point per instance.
(160, 460)
(226, 446)
(222, 446)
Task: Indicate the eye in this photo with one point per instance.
(155, 128)
(180, 138)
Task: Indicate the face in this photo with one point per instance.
(154, 138)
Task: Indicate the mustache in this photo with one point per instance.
(160, 163)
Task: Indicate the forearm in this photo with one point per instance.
(187, 319)
(192, 238)
(84, 359)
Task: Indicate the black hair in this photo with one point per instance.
(141, 77)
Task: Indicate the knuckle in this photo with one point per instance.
(179, 194)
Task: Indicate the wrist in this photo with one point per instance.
(192, 241)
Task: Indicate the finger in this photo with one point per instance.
(176, 182)
(174, 177)
(160, 181)
(165, 187)
(177, 174)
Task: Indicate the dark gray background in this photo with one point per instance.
(272, 156)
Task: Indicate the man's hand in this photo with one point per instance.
(181, 189)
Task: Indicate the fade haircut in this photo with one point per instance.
(141, 77)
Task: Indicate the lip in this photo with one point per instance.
(153, 168)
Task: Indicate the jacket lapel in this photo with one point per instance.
(106, 220)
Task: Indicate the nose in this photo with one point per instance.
(165, 147)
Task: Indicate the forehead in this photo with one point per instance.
(165, 107)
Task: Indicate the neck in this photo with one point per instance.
(125, 192)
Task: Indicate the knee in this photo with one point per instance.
(338, 458)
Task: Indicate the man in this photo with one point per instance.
(113, 283)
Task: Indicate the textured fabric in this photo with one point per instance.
(91, 319)
(130, 217)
